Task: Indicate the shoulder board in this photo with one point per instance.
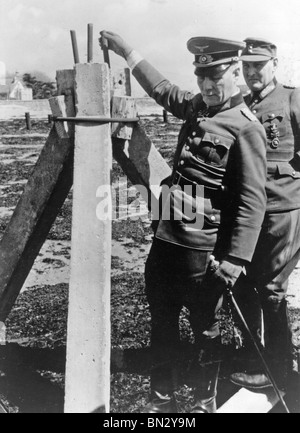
(289, 87)
(247, 113)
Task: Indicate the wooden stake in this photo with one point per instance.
(165, 116)
(75, 47)
(28, 121)
(90, 43)
(106, 52)
(88, 342)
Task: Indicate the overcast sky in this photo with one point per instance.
(35, 34)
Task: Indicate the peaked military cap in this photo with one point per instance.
(258, 50)
(214, 51)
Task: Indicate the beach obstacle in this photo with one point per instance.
(94, 120)
(90, 125)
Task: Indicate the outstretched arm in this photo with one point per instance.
(115, 44)
(153, 82)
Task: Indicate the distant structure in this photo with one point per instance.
(2, 73)
(13, 89)
(18, 90)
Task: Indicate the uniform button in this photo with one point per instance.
(217, 141)
(254, 111)
(181, 162)
(213, 218)
(194, 134)
(187, 148)
(294, 173)
(271, 116)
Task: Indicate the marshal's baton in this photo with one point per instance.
(257, 348)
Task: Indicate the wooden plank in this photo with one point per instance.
(246, 401)
(142, 163)
(43, 196)
(88, 341)
(123, 107)
(140, 160)
(2, 409)
(121, 82)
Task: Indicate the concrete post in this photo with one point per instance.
(88, 342)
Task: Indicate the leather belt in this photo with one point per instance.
(280, 156)
(182, 181)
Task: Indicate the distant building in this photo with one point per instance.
(15, 89)
(2, 74)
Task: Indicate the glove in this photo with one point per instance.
(223, 275)
(115, 43)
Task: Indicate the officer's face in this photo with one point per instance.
(217, 84)
(259, 74)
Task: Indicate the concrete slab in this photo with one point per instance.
(246, 401)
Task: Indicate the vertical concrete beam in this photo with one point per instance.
(88, 342)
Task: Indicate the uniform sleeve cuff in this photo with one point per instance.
(134, 59)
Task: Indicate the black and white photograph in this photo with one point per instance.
(149, 209)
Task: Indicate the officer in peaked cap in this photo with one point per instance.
(220, 162)
(211, 52)
(277, 107)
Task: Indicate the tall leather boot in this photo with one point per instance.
(206, 388)
(278, 352)
(160, 403)
(164, 382)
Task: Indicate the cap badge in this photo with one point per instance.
(206, 59)
(201, 49)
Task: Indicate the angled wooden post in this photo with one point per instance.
(132, 148)
(88, 341)
(41, 201)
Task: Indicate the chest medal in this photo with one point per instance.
(274, 136)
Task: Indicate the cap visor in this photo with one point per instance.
(255, 58)
(216, 63)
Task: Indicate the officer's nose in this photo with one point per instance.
(251, 71)
(208, 84)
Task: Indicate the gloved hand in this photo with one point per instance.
(115, 43)
(223, 275)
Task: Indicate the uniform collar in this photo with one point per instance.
(232, 102)
(266, 91)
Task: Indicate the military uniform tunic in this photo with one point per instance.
(278, 109)
(224, 152)
(278, 249)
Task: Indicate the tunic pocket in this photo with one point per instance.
(286, 170)
(214, 149)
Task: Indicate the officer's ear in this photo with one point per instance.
(275, 64)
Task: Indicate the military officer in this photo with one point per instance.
(277, 107)
(221, 153)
